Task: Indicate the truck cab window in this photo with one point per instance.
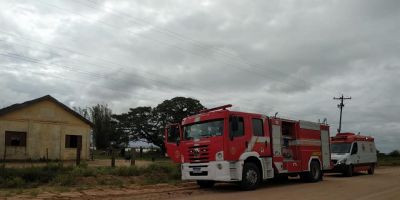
(173, 134)
(258, 129)
(236, 130)
(354, 150)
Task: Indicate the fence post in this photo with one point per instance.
(133, 162)
(112, 157)
(4, 155)
(47, 156)
(78, 156)
(92, 154)
(141, 151)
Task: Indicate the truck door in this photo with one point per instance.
(173, 135)
(355, 156)
(237, 138)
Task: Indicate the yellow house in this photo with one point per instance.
(43, 128)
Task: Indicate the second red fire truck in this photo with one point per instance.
(222, 145)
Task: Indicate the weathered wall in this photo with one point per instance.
(46, 125)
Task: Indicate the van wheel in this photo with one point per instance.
(205, 184)
(251, 177)
(349, 171)
(315, 173)
(371, 169)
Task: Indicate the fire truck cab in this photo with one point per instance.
(353, 153)
(228, 146)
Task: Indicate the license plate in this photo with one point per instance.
(196, 170)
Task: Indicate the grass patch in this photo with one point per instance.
(81, 176)
(388, 161)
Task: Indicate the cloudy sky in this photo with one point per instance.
(290, 57)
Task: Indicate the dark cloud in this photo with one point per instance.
(289, 57)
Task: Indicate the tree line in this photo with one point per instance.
(143, 123)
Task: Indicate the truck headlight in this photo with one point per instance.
(219, 156)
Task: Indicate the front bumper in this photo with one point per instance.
(214, 170)
(338, 168)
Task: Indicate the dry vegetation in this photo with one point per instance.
(84, 175)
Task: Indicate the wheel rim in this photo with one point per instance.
(251, 177)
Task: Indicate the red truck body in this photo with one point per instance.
(221, 145)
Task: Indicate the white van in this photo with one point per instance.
(353, 153)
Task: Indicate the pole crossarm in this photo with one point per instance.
(340, 106)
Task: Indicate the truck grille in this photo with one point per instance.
(198, 154)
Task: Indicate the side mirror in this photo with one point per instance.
(178, 141)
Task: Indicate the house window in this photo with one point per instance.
(73, 141)
(16, 139)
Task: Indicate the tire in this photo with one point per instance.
(349, 171)
(314, 175)
(371, 169)
(205, 184)
(251, 177)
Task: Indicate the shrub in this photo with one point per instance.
(82, 171)
(64, 180)
(15, 182)
(126, 171)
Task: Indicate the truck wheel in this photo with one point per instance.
(349, 171)
(314, 175)
(205, 184)
(371, 169)
(251, 177)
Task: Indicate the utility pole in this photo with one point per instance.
(340, 106)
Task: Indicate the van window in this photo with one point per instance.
(354, 150)
(340, 147)
(258, 127)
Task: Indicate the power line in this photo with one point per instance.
(255, 72)
(84, 83)
(193, 41)
(340, 106)
(73, 69)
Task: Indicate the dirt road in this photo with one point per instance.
(385, 184)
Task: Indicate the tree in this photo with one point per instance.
(82, 111)
(173, 111)
(394, 153)
(147, 123)
(101, 118)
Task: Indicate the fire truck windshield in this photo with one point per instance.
(340, 147)
(203, 129)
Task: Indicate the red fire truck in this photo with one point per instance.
(222, 145)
